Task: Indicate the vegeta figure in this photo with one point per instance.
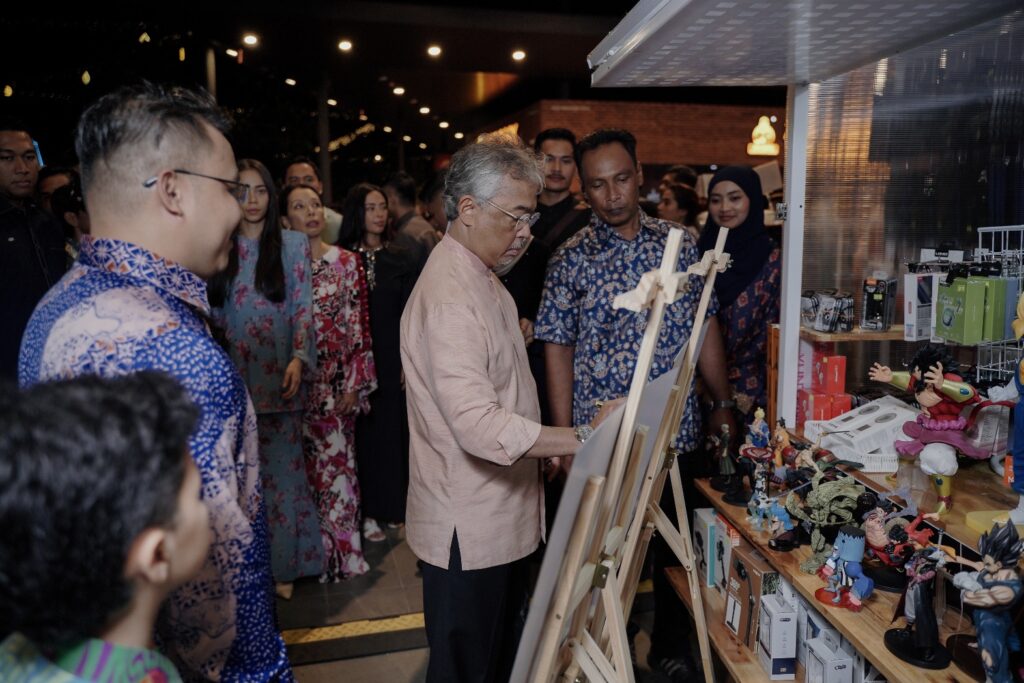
(847, 585)
(993, 591)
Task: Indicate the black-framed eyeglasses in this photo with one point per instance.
(238, 190)
(528, 218)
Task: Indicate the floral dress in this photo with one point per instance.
(263, 337)
(344, 365)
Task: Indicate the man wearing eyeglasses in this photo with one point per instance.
(162, 187)
(476, 499)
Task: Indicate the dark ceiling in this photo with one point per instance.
(474, 82)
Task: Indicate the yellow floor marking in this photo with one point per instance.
(352, 629)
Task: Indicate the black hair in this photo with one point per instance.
(295, 161)
(687, 200)
(353, 221)
(269, 274)
(927, 356)
(554, 134)
(68, 198)
(602, 137)
(86, 465)
(1002, 544)
(145, 112)
(13, 124)
(683, 174)
(434, 187)
(50, 171)
(404, 187)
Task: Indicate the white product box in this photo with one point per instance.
(825, 665)
(776, 638)
(726, 538)
(810, 625)
(864, 671)
(866, 433)
(704, 543)
(788, 593)
(919, 292)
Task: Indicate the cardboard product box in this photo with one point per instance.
(727, 537)
(807, 352)
(840, 404)
(866, 433)
(704, 543)
(950, 255)
(879, 309)
(776, 638)
(826, 665)
(1013, 291)
(788, 592)
(835, 311)
(960, 315)
(811, 624)
(750, 579)
(995, 308)
(919, 299)
(864, 671)
(812, 405)
(829, 374)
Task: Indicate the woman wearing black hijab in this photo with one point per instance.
(748, 292)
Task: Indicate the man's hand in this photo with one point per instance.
(880, 373)
(347, 404)
(605, 410)
(526, 327)
(292, 379)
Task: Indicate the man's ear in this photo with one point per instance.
(639, 176)
(467, 210)
(169, 189)
(148, 557)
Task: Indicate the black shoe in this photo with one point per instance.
(677, 669)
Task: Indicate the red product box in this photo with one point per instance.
(829, 374)
(840, 403)
(812, 405)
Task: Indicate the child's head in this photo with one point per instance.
(99, 503)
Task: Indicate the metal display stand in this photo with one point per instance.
(997, 361)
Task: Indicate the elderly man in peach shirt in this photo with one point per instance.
(476, 495)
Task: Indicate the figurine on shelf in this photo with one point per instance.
(785, 534)
(760, 503)
(918, 641)
(993, 590)
(781, 445)
(730, 479)
(891, 541)
(846, 584)
(938, 432)
(1017, 514)
(758, 433)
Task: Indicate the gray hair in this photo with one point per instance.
(479, 169)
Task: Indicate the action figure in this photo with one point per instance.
(729, 479)
(938, 432)
(846, 584)
(993, 590)
(760, 504)
(781, 446)
(758, 433)
(785, 534)
(918, 642)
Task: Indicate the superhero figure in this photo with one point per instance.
(918, 642)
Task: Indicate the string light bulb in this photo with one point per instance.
(399, 90)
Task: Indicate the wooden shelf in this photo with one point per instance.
(739, 661)
(865, 629)
(894, 333)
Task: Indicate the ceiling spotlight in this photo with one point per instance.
(459, 136)
(443, 124)
(387, 129)
(519, 55)
(250, 39)
(406, 138)
(345, 45)
(434, 50)
(333, 102)
(424, 110)
(377, 157)
(423, 145)
(399, 90)
(289, 81)
(231, 53)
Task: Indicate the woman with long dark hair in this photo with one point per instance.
(264, 304)
(339, 388)
(680, 204)
(382, 435)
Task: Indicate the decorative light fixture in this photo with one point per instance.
(8, 91)
(345, 45)
(519, 55)
(386, 129)
(363, 117)
(333, 102)
(443, 124)
(434, 50)
(144, 38)
(86, 78)
(289, 81)
(231, 53)
(181, 54)
(250, 39)
(423, 145)
(762, 140)
(424, 110)
(377, 157)
(406, 138)
(399, 90)
(459, 136)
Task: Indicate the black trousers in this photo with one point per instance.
(474, 619)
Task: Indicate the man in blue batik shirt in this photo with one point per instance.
(163, 194)
(591, 348)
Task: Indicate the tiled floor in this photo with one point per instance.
(390, 588)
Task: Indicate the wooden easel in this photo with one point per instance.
(585, 627)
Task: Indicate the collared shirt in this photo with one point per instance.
(473, 413)
(92, 661)
(120, 309)
(559, 221)
(584, 277)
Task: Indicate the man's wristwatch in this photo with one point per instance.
(583, 432)
(729, 403)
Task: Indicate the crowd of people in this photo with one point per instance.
(423, 356)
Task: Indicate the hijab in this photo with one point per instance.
(748, 244)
